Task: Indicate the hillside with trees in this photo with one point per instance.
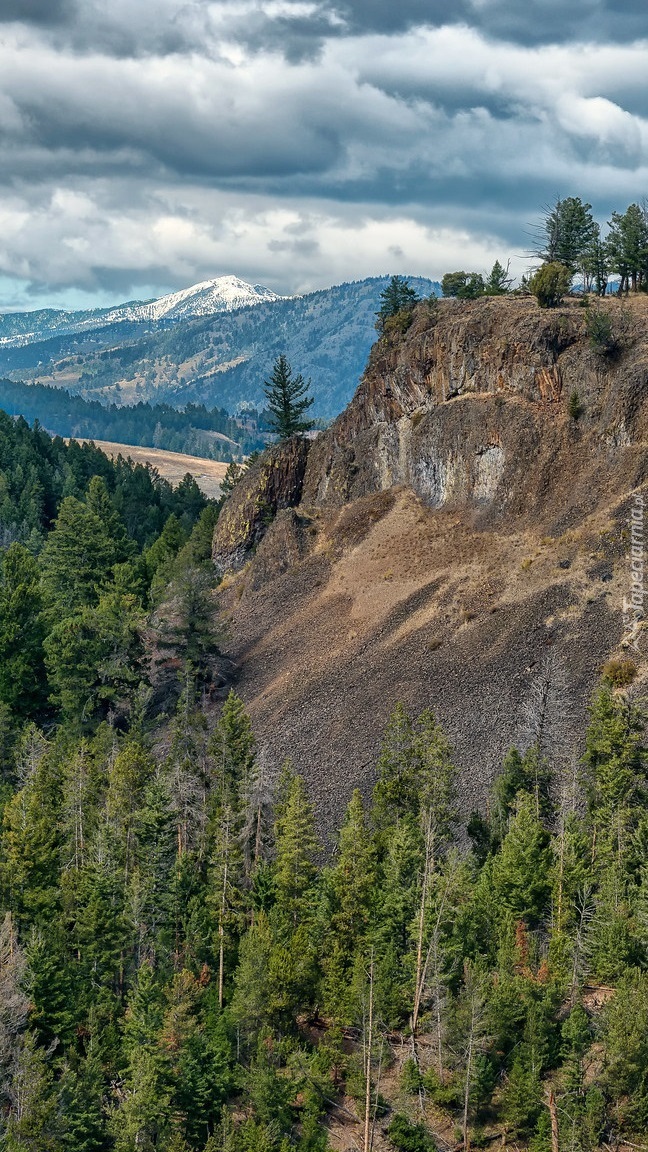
(195, 430)
(192, 959)
(220, 360)
(571, 243)
(184, 969)
(324, 811)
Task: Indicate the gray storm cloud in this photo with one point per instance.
(299, 143)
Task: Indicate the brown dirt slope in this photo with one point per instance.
(455, 526)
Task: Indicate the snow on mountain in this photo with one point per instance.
(223, 294)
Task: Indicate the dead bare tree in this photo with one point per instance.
(14, 1004)
(545, 710)
(258, 796)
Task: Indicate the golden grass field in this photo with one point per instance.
(173, 466)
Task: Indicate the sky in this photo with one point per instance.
(146, 145)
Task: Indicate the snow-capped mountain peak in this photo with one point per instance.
(223, 294)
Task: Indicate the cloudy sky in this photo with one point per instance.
(149, 144)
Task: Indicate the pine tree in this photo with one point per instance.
(296, 846)
(569, 229)
(348, 912)
(293, 959)
(396, 905)
(396, 793)
(225, 883)
(14, 1004)
(30, 859)
(129, 772)
(149, 898)
(81, 1102)
(99, 502)
(499, 282)
(77, 559)
(521, 872)
(288, 400)
(397, 298)
(252, 1001)
(198, 1061)
(615, 759)
(187, 772)
(625, 1039)
(471, 1038)
(141, 1117)
(160, 557)
(232, 749)
(34, 1121)
(627, 247)
(93, 657)
(185, 628)
(22, 673)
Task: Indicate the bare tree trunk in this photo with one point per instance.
(561, 875)
(367, 1126)
(551, 1105)
(221, 918)
(377, 1096)
(466, 1139)
(427, 871)
(437, 1010)
(257, 838)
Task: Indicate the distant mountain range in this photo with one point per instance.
(212, 343)
(224, 294)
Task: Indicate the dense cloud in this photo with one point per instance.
(147, 145)
(45, 12)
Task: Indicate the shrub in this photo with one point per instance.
(408, 1137)
(411, 1080)
(620, 673)
(575, 406)
(598, 325)
(397, 324)
(446, 1095)
(550, 283)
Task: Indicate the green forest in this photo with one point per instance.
(150, 425)
(187, 962)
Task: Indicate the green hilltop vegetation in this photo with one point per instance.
(184, 967)
(571, 243)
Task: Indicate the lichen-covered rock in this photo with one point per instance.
(273, 482)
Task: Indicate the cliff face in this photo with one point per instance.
(458, 532)
(273, 482)
(472, 403)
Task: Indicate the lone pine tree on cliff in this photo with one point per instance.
(398, 297)
(288, 399)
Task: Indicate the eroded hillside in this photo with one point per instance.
(454, 527)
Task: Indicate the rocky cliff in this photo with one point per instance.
(272, 483)
(461, 527)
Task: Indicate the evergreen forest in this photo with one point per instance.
(150, 425)
(190, 962)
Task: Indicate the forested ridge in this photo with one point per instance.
(185, 966)
(149, 425)
(220, 359)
